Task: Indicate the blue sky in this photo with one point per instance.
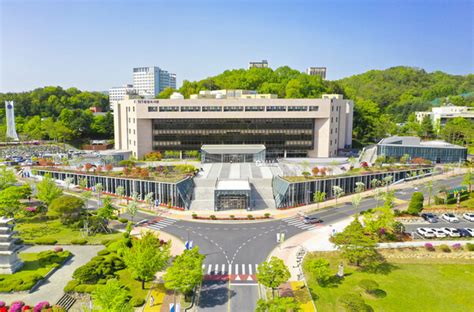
(93, 45)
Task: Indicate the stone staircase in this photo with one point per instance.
(203, 194)
(262, 194)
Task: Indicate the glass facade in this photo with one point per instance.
(277, 134)
(231, 199)
(435, 154)
(232, 158)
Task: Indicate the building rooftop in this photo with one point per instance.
(416, 141)
(233, 148)
(233, 185)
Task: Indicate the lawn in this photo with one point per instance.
(126, 279)
(35, 267)
(465, 204)
(413, 285)
(32, 229)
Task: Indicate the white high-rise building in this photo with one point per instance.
(150, 81)
(118, 94)
(317, 71)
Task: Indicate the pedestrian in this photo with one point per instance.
(152, 301)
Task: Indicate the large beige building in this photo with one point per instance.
(286, 127)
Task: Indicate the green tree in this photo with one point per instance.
(427, 127)
(379, 220)
(416, 203)
(146, 257)
(112, 297)
(10, 199)
(86, 196)
(319, 197)
(319, 268)
(337, 191)
(107, 210)
(7, 177)
(356, 247)
(149, 199)
(68, 208)
(356, 200)
(467, 180)
(279, 304)
(273, 273)
(68, 181)
(185, 273)
(166, 93)
(120, 191)
(47, 190)
(429, 188)
(132, 209)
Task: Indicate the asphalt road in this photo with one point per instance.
(235, 249)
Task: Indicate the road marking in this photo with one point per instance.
(230, 269)
(216, 269)
(223, 269)
(256, 268)
(236, 269)
(250, 269)
(209, 269)
(246, 284)
(243, 268)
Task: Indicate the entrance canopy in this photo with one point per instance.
(232, 153)
(232, 194)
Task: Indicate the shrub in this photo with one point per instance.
(79, 241)
(470, 247)
(368, 285)
(456, 247)
(416, 203)
(379, 293)
(444, 248)
(267, 215)
(2, 304)
(213, 217)
(83, 288)
(232, 217)
(106, 242)
(250, 217)
(194, 215)
(68, 208)
(354, 303)
(103, 252)
(71, 285)
(40, 306)
(137, 302)
(123, 220)
(429, 247)
(45, 241)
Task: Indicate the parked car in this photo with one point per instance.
(468, 216)
(452, 232)
(311, 220)
(431, 218)
(426, 232)
(439, 233)
(466, 232)
(450, 217)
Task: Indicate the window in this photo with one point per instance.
(190, 109)
(169, 108)
(297, 108)
(254, 108)
(233, 108)
(212, 108)
(332, 119)
(152, 108)
(276, 108)
(314, 108)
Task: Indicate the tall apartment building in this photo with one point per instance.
(317, 71)
(119, 93)
(261, 64)
(286, 127)
(150, 81)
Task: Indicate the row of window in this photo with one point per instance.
(243, 131)
(233, 108)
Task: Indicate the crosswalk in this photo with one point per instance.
(160, 224)
(230, 269)
(298, 222)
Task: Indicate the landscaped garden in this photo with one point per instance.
(415, 283)
(35, 267)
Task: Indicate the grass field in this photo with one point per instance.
(413, 285)
(32, 229)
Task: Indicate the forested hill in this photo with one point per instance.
(382, 97)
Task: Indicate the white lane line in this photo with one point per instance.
(243, 268)
(243, 284)
(223, 269)
(216, 269)
(209, 269)
(250, 269)
(230, 269)
(236, 269)
(256, 268)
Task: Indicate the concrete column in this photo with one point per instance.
(284, 154)
(180, 154)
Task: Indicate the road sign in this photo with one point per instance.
(280, 237)
(173, 308)
(188, 245)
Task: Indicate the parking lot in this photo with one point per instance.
(411, 228)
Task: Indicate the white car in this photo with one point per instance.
(468, 216)
(452, 232)
(450, 217)
(439, 233)
(470, 231)
(426, 232)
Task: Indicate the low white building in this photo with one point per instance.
(441, 115)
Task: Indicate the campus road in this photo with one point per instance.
(233, 250)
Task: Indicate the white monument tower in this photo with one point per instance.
(11, 131)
